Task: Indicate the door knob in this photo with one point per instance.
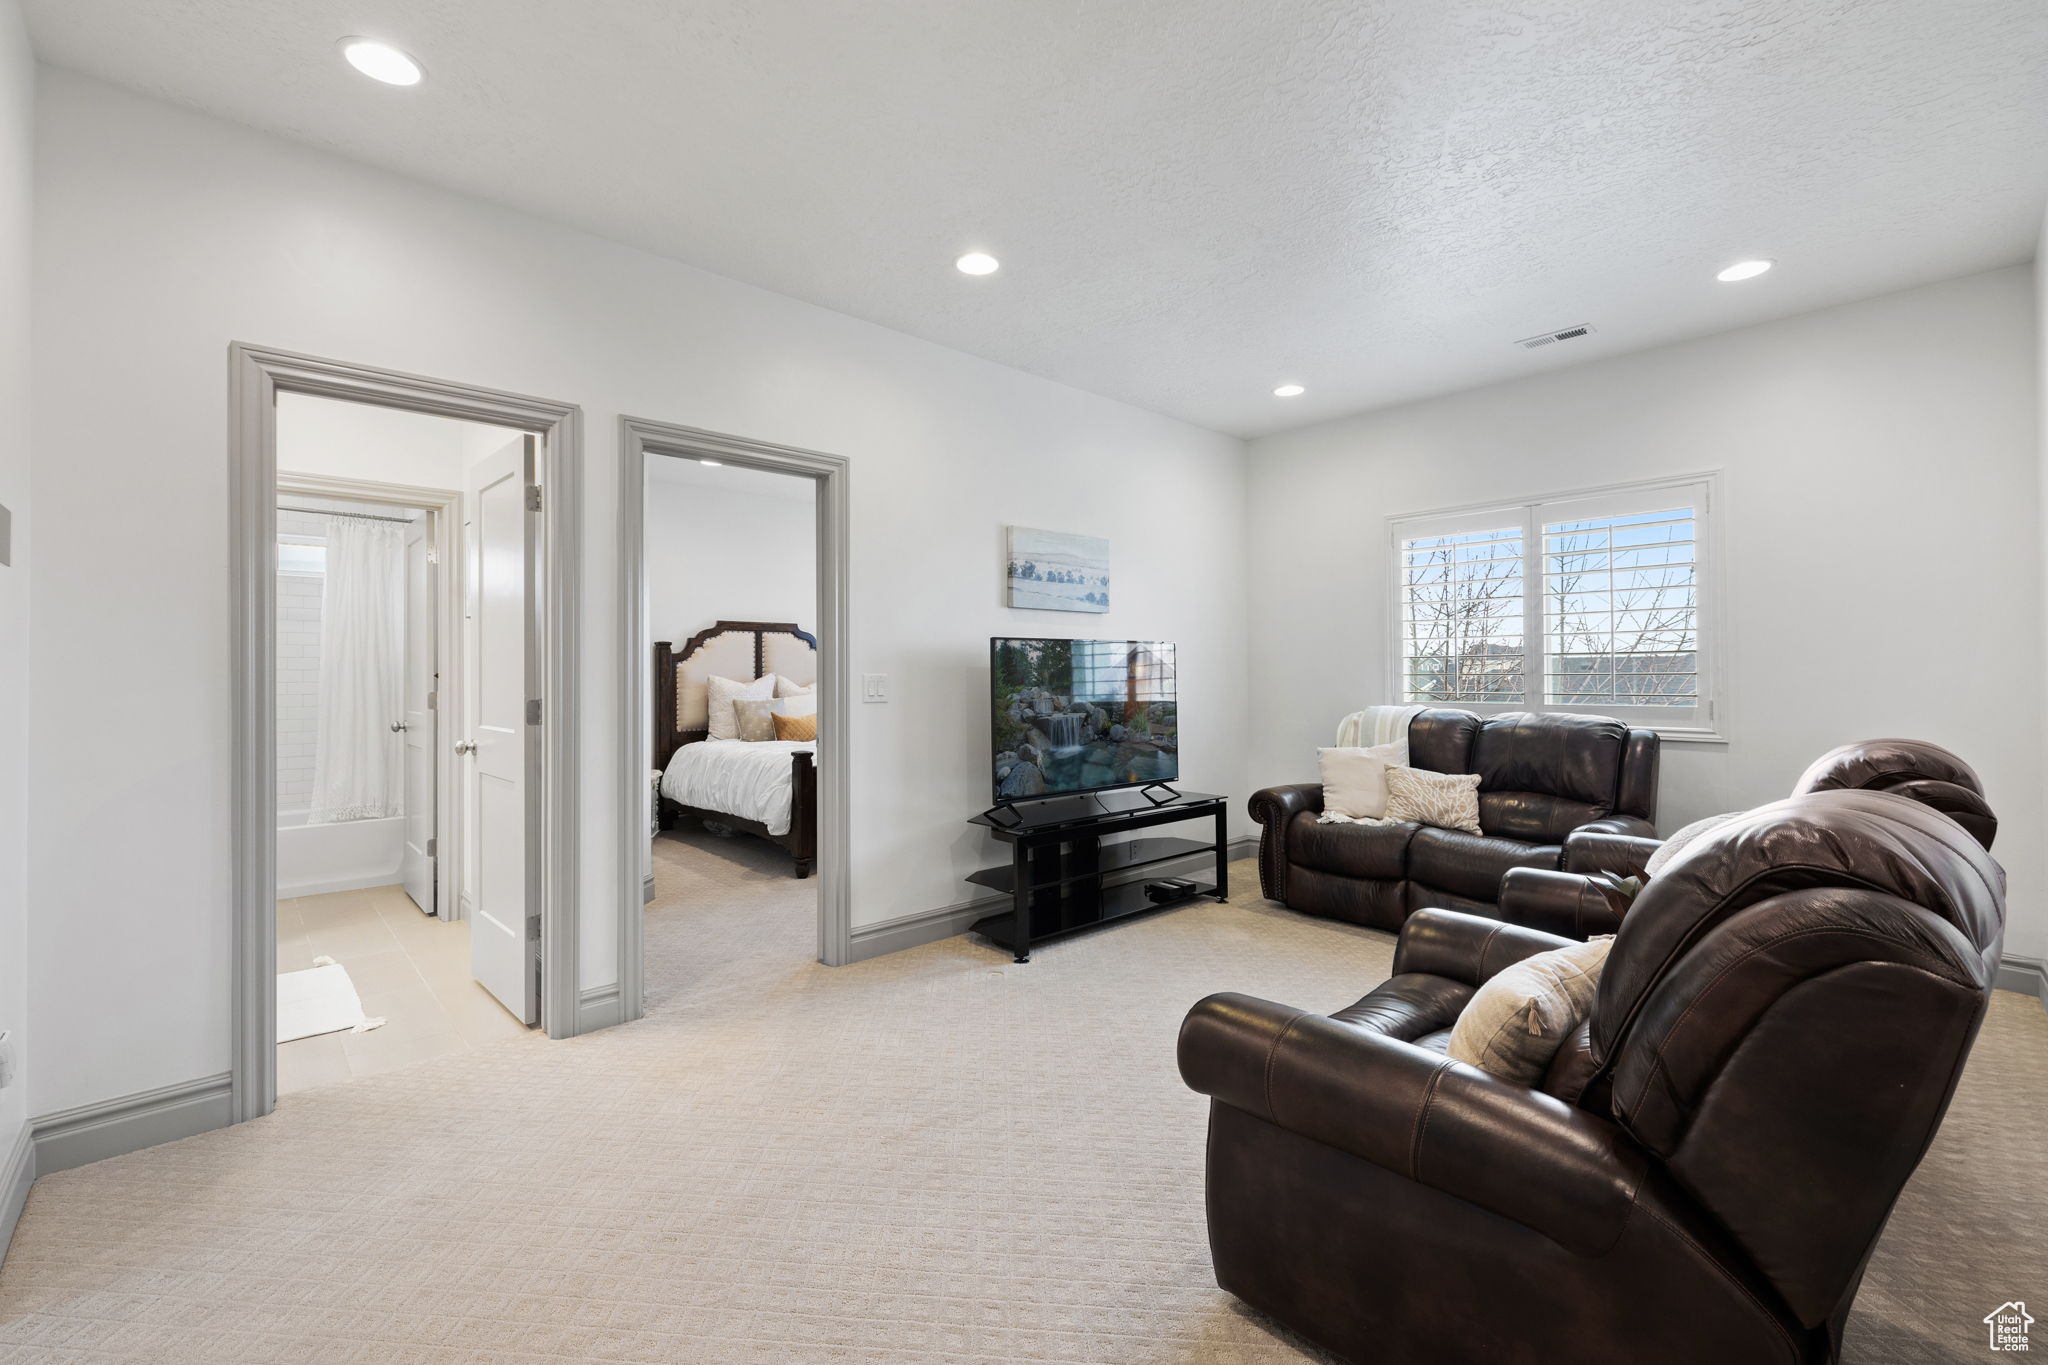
(465, 746)
(398, 726)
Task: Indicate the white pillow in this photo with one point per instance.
(1678, 842)
(801, 704)
(1515, 1023)
(789, 687)
(722, 722)
(1355, 780)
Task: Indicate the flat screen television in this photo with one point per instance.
(1081, 716)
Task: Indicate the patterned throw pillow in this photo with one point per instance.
(721, 693)
(803, 728)
(1446, 800)
(1513, 1026)
(756, 720)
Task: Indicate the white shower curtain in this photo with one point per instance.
(358, 760)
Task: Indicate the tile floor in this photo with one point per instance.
(408, 967)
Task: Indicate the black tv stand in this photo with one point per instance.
(1060, 868)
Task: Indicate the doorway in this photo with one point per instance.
(681, 647)
(418, 731)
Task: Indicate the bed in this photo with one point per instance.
(768, 789)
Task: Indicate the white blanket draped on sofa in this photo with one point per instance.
(358, 760)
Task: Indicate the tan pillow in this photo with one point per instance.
(796, 727)
(721, 693)
(1446, 800)
(756, 720)
(1515, 1024)
(789, 687)
(1355, 780)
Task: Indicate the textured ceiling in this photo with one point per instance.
(1194, 200)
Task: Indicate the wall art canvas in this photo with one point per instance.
(1053, 571)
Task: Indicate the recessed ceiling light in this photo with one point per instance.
(1744, 270)
(1289, 391)
(978, 263)
(715, 464)
(381, 61)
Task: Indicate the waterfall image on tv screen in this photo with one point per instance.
(1082, 715)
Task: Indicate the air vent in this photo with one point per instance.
(1549, 338)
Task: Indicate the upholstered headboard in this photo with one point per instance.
(729, 649)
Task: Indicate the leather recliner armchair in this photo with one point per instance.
(1571, 903)
(1545, 782)
(1702, 1174)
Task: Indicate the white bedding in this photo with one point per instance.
(752, 781)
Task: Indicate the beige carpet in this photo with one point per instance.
(934, 1157)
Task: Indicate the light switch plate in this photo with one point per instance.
(874, 687)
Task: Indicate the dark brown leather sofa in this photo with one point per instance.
(1545, 782)
(1571, 903)
(1704, 1171)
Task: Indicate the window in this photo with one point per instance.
(301, 556)
(1592, 602)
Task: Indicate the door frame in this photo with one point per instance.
(443, 507)
(641, 439)
(256, 375)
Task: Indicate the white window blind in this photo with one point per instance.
(1588, 602)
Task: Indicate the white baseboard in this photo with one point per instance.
(596, 1008)
(15, 1178)
(94, 1132)
(929, 926)
(2027, 975)
(285, 893)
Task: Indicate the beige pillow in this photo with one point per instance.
(721, 693)
(756, 719)
(789, 687)
(801, 728)
(803, 704)
(1514, 1025)
(1355, 780)
(1680, 841)
(1446, 800)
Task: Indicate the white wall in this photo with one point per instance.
(1880, 474)
(280, 245)
(17, 96)
(718, 554)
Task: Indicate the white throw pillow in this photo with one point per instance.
(1446, 800)
(1684, 838)
(802, 704)
(1355, 780)
(1513, 1026)
(789, 687)
(722, 723)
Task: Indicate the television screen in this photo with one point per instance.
(1082, 715)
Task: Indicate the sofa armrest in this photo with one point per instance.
(1517, 1152)
(1275, 806)
(1566, 903)
(1630, 825)
(1463, 947)
(1625, 855)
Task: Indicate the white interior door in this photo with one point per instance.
(504, 926)
(420, 717)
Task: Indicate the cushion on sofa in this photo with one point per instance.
(1445, 800)
(1441, 740)
(1544, 776)
(1516, 1022)
(1473, 864)
(1349, 850)
(1355, 780)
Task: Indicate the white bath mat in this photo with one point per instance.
(319, 1000)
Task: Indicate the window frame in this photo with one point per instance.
(1700, 723)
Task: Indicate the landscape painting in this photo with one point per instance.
(1053, 571)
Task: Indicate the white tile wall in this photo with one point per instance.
(298, 668)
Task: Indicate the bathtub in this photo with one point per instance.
(313, 859)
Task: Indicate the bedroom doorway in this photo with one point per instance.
(404, 556)
(734, 709)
